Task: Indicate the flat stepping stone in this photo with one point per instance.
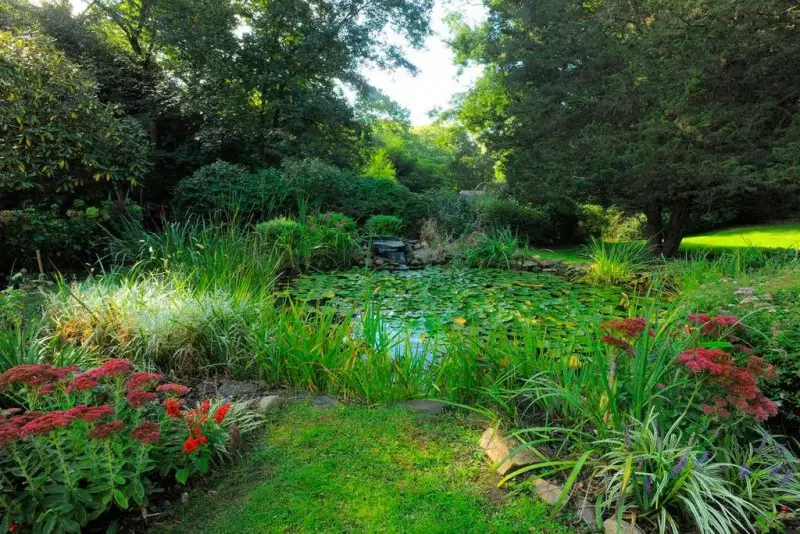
(424, 406)
(324, 402)
(498, 448)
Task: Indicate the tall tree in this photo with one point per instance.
(279, 92)
(669, 107)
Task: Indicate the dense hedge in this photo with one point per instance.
(308, 186)
(64, 237)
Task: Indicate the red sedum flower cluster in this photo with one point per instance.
(173, 389)
(142, 380)
(714, 325)
(147, 433)
(738, 383)
(627, 330)
(104, 430)
(105, 423)
(138, 398)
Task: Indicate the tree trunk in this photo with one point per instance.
(654, 228)
(677, 225)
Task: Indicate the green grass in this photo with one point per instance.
(352, 469)
(774, 236)
(767, 236)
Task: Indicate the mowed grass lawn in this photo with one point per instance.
(772, 236)
(352, 469)
(768, 236)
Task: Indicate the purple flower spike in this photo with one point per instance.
(786, 479)
(744, 472)
(648, 484)
(680, 466)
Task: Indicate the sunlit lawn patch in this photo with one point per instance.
(365, 470)
(769, 236)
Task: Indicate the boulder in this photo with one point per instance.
(234, 388)
(269, 404)
(547, 491)
(498, 449)
(586, 511)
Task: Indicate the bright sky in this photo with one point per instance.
(438, 79)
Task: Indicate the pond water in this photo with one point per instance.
(436, 299)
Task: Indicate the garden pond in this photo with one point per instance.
(433, 300)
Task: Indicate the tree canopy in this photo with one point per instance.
(441, 155)
(671, 108)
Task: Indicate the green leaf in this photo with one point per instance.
(121, 499)
(182, 475)
(573, 476)
(50, 525)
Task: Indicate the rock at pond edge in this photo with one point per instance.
(323, 402)
(498, 449)
(269, 404)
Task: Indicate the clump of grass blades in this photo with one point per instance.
(697, 269)
(497, 248)
(154, 319)
(615, 263)
(203, 254)
(629, 427)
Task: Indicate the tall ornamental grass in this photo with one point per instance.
(661, 421)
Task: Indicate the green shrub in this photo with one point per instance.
(86, 443)
(63, 236)
(332, 241)
(622, 227)
(321, 186)
(610, 223)
(228, 188)
(384, 225)
(327, 188)
(615, 263)
(497, 212)
(498, 248)
(593, 220)
(282, 232)
(548, 224)
(375, 196)
(452, 212)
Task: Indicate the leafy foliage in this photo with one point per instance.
(57, 137)
(60, 148)
(87, 442)
(649, 105)
(231, 189)
(437, 156)
(384, 225)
